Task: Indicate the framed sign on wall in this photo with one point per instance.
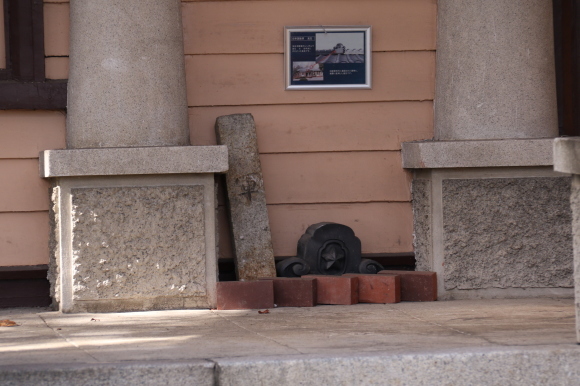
(327, 57)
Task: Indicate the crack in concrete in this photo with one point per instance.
(257, 333)
(73, 344)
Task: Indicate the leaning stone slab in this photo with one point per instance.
(247, 200)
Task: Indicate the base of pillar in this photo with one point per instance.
(133, 242)
(494, 232)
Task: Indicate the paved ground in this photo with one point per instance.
(525, 341)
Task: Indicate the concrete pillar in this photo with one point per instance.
(133, 207)
(127, 76)
(495, 70)
(491, 217)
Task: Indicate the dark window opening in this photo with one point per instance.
(567, 49)
(22, 83)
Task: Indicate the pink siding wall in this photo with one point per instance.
(56, 33)
(24, 199)
(326, 155)
(23, 194)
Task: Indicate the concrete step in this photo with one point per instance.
(529, 366)
(475, 342)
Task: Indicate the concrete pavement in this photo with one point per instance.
(518, 341)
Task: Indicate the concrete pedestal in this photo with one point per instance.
(567, 160)
(133, 207)
(130, 237)
(495, 226)
(491, 217)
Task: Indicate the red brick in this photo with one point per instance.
(377, 288)
(416, 286)
(294, 291)
(336, 289)
(245, 295)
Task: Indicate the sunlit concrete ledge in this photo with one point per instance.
(477, 153)
(536, 366)
(472, 342)
(133, 161)
(567, 155)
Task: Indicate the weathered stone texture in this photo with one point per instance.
(422, 237)
(127, 75)
(54, 246)
(575, 203)
(246, 197)
(507, 232)
(138, 242)
(495, 70)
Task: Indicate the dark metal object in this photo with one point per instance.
(327, 249)
(292, 267)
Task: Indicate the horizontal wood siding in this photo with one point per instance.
(300, 128)
(23, 190)
(23, 238)
(23, 134)
(258, 79)
(381, 226)
(56, 39)
(24, 196)
(334, 177)
(246, 27)
(326, 155)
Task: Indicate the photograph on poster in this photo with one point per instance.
(308, 71)
(318, 58)
(340, 47)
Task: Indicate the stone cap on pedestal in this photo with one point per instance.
(477, 153)
(133, 161)
(567, 155)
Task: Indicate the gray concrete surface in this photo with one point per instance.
(575, 203)
(491, 342)
(494, 232)
(248, 213)
(507, 233)
(567, 159)
(567, 155)
(132, 161)
(477, 154)
(495, 70)
(126, 85)
(133, 243)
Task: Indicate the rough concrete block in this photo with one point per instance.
(247, 200)
(336, 289)
(378, 288)
(507, 233)
(294, 291)
(416, 286)
(245, 295)
(575, 204)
